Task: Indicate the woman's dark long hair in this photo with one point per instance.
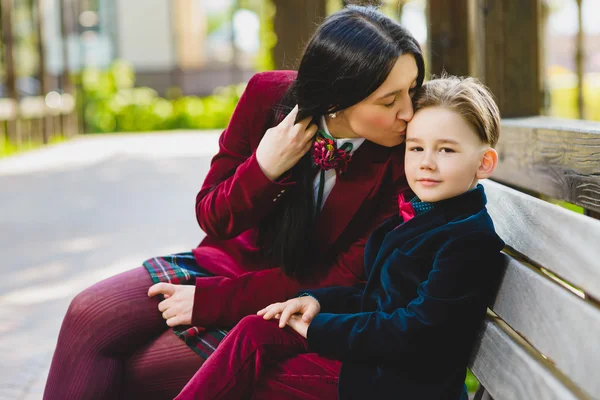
(348, 58)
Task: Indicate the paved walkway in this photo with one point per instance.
(75, 213)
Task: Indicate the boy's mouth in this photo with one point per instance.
(428, 182)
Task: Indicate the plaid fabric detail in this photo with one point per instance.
(182, 269)
(179, 269)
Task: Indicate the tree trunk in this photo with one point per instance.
(295, 22)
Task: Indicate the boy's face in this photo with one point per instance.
(443, 154)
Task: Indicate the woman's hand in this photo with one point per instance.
(177, 307)
(308, 306)
(283, 145)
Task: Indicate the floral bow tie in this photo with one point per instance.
(326, 156)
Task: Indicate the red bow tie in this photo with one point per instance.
(407, 210)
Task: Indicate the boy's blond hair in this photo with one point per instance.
(468, 97)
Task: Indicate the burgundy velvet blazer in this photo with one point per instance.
(236, 195)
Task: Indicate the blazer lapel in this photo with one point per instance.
(376, 240)
(364, 173)
(396, 238)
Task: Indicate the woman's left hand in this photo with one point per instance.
(297, 324)
(177, 307)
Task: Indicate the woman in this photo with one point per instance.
(275, 222)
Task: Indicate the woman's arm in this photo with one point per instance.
(453, 297)
(238, 192)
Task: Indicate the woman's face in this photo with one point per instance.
(382, 117)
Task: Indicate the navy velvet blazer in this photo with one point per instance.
(409, 332)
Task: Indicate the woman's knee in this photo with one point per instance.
(118, 297)
(82, 305)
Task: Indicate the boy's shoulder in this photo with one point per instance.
(469, 223)
(468, 213)
(471, 230)
(467, 229)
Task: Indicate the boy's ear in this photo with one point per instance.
(489, 160)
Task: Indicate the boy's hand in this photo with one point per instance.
(297, 324)
(308, 306)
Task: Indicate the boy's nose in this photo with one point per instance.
(427, 162)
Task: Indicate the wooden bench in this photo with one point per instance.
(541, 339)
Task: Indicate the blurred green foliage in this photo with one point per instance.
(471, 382)
(268, 39)
(111, 103)
(562, 85)
(7, 148)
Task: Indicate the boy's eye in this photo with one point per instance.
(446, 150)
(416, 148)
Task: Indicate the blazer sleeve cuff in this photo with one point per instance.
(206, 295)
(324, 336)
(270, 191)
(337, 299)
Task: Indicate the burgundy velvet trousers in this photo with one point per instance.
(247, 365)
(114, 344)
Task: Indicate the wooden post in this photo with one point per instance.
(235, 71)
(9, 65)
(448, 38)
(399, 9)
(78, 8)
(376, 3)
(592, 213)
(509, 54)
(295, 22)
(47, 125)
(579, 57)
(68, 121)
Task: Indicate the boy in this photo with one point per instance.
(432, 270)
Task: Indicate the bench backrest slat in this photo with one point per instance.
(563, 242)
(556, 157)
(562, 326)
(544, 342)
(509, 372)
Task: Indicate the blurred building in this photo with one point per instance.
(197, 45)
(192, 44)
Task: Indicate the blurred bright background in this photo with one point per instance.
(101, 66)
(89, 68)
